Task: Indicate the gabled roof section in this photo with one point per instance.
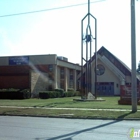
(114, 60)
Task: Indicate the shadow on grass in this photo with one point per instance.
(72, 134)
(124, 115)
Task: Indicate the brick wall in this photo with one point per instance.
(18, 76)
(14, 81)
(39, 82)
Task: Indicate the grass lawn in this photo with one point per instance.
(84, 114)
(109, 103)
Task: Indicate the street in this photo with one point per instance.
(37, 128)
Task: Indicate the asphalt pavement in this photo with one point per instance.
(36, 128)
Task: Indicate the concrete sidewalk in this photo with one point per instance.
(69, 108)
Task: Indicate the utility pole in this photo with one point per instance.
(133, 59)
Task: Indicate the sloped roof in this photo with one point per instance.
(114, 60)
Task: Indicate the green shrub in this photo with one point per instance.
(72, 93)
(57, 93)
(44, 94)
(70, 89)
(9, 90)
(49, 94)
(14, 93)
(61, 91)
(77, 93)
(52, 94)
(69, 93)
(25, 94)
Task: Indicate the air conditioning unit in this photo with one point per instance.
(62, 58)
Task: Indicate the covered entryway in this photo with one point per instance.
(105, 88)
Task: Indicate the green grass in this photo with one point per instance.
(110, 103)
(84, 114)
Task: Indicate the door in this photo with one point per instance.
(105, 88)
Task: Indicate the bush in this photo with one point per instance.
(44, 94)
(70, 89)
(61, 91)
(14, 94)
(9, 94)
(49, 94)
(72, 93)
(25, 94)
(57, 93)
(53, 94)
(69, 93)
(77, 93)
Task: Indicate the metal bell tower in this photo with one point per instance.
(86, 69)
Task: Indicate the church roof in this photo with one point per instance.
(114, 60)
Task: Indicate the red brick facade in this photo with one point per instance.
(18, 76)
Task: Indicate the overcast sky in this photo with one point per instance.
(58, 31)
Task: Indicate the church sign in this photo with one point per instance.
(19, 60)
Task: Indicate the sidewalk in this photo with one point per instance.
(69, 108)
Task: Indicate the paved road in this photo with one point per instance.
(35, 128)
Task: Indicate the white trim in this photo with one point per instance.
(113, 68)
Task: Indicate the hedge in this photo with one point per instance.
(58, 93)
(15, 94)
(49, 94)
(71, 93)
(70, 89)
(61, 91)
(77, 93)
(25, 94)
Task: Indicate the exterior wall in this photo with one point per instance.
(63, 80)
(68, 65)
(43, 59)
(108, 76)
(14, 81)
(72, 77)
(127, 79)
(74, 68)
(39, 82)
(34, 72)
(14, 77)
(58, 76)
(14, 70)
(4, 61)
(55, 77)
(75, 86)
(67, 78)
(33, 59)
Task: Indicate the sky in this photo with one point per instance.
(58, 31)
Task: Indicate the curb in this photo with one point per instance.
(64, 117)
